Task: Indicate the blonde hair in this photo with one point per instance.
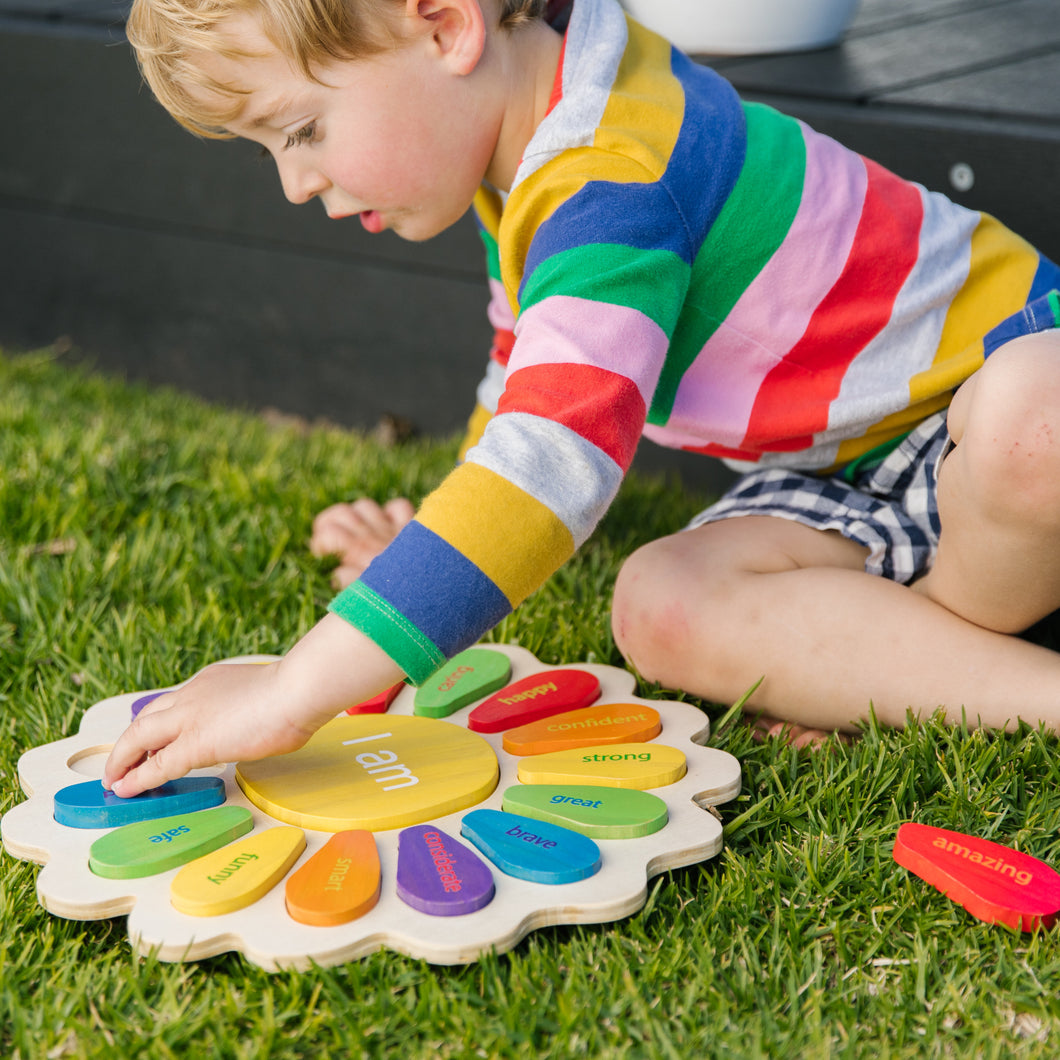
(169, 36)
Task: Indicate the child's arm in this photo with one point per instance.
(357, 531)
(233, 712)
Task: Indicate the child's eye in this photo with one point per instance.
(305, 135)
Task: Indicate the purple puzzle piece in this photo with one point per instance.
(439, 875)
(139, 704)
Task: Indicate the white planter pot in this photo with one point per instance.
(742, 27)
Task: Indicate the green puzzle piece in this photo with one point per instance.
(146, 848)
(598, 812)
(472, 674)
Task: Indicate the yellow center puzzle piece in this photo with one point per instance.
(374, 772)
(236, 875)
(615, 765)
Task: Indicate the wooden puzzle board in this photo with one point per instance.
(267, 935)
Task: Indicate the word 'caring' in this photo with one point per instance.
(450, 682)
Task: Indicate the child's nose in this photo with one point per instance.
(300, 184)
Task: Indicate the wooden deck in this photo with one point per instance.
(178, 261)
(961, 95)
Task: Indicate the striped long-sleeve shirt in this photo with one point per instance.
(706, 273)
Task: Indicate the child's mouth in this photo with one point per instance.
(372, 221)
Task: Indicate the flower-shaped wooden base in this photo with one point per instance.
(264, 931)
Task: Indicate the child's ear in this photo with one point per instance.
(458, 28)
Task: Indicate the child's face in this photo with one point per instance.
(397, 139)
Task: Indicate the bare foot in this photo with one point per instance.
(357, 532)
(766, 727)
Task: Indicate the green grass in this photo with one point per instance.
(143, 534)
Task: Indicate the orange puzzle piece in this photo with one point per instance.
(339, 883)
(605, 723)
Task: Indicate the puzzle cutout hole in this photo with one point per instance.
(90, 762)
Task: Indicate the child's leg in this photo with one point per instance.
(712, 610)
(998, 562)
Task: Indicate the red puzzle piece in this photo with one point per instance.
(993, 882)
(377, 704)
(536, 696)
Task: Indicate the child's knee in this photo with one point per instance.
(647, 610)
(1009, 427)
(669, 598)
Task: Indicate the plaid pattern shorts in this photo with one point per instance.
(891, 509)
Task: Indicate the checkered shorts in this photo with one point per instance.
(891, 509)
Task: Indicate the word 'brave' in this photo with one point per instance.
(528, 837)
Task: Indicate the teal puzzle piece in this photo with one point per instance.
(538, 851)
(90, 805)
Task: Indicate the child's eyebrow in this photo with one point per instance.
(269, 115)
(266, 118)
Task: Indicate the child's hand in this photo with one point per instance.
(357, 533)
(227, 712)
(232, 712)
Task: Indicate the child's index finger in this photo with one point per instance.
(134, 760)
(149, 774)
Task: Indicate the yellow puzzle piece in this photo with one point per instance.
(236, 875)
(374, 772)
(615, 765)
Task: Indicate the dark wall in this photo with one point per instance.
(178, 261)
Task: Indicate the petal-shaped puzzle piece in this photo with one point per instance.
(146, 848)
(531, 850)
(618, 765)
(993, 882)
(535, 696)
(90, 805)
(466, 677)
(339, 883)
(598, 812)
(139, 704)
(378, 704)
(604, 723)
(236, 875)
(439, 875)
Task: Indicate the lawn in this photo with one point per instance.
(144, 533)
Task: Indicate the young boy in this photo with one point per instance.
(664, 261)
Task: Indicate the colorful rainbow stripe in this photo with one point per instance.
(673, 263)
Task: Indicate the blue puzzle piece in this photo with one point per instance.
(538, 851)
(90, 805)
